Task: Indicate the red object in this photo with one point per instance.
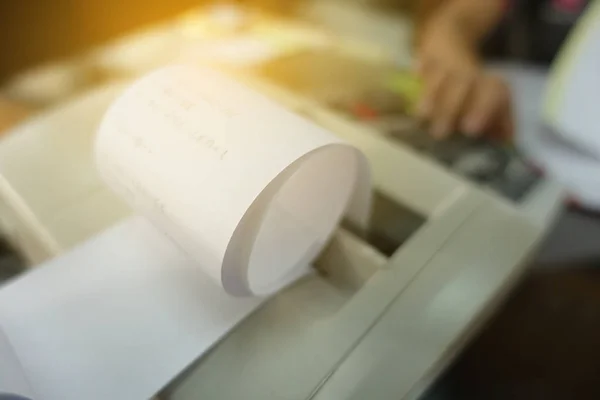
(364, 112)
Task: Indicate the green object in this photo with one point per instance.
(408, 85)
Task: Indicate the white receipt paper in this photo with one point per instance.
(12, 377)
(237, 197)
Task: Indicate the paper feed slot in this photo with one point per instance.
(354, 254)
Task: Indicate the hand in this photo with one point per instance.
(458, 94)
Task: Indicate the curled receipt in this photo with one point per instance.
(246, 192)
(249, 190)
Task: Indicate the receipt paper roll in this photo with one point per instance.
(251, 191)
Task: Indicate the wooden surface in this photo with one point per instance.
(544, 344)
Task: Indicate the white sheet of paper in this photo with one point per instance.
(116, 318)
(12, 376)
(560, 158)
(578, 89)
(239, 195)
(577, 171)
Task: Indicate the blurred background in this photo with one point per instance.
(53, 50)
(40, 31)
(50, 50)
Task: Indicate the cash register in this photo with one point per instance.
(453, 225)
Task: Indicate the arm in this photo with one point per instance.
(458, 94)
(471, 19)
(424, 11)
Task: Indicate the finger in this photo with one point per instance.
(503, 129)
(490, 99)
(419, 64)
(451, 104)
(505, 125)
(426, 65)
(508, 127)
(434, 82)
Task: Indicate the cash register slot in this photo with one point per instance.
(354, 254)
(348, 262)
(391, 224)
